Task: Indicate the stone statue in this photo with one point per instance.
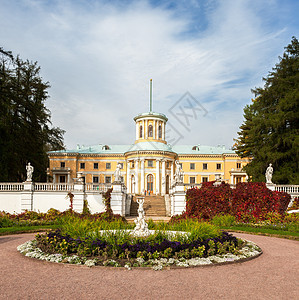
(268, 174)
(141, 228)
(178, 173)
(117, 172)
(29, 170)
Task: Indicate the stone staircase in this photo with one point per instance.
(154, 206)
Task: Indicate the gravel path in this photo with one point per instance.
(273, 275)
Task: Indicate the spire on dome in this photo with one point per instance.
(151, 93)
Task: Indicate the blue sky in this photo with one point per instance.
(99, 56)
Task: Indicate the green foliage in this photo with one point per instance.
(223, 220)
(270, 132)
(107, 201)
(25, 125)
(5, 221)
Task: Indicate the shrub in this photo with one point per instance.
(208, 201)
(295, 204)
(249, 202)
(107, 201)
(253, 200)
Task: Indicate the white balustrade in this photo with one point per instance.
(101, 187)
(8, 186)
(53, 186)
(290, 189)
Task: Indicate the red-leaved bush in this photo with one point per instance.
(208, 201)
(248, 201)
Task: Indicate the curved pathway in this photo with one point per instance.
(273, 275)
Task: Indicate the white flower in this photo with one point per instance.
(90, 263)
(157, 267)
(140, 260)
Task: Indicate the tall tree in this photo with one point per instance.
(270, 132)
(26, 132)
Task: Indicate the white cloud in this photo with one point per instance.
(100, 56)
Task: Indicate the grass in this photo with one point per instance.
(263, 231)
(25, 229)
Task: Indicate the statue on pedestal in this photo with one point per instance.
(268, 174)
(29, 170)
(141, 228)
(178, 173)
(117, 173)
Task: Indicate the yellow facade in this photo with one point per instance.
(148, 163)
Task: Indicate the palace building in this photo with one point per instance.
(149, 163)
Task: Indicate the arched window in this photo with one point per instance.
(160, 132)
(140, 131)
(150, 182)
(150, 131)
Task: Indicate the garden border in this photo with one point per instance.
(150, 267)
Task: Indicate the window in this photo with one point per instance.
(62, 179)
(133, 164)
(96, 165)
(62, 164)
(95, 179)
(140, 131)
(192, 166)
(107, 179)
(122, 179)
(121, 165)
(192, 179)
(150, 163)
(167, 164)
(160, 132)
(204, 179)
(108, 165)
(204, 166)
(82, 165)
(150, 131)
(238, 165)
(218, 166)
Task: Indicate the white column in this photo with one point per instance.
(163, 177)
(143, 136)
(137, 130)
(128, 178)
(146, 129)
(142, 176)
(163, 131)
(154, 128)
(232, 179)
(157, 176)
(136, 177)
(171, 174)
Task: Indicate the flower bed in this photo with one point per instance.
(249, 250)
(157, 251)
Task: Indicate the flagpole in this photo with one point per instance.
(151, 87)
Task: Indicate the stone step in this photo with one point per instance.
(153, 206)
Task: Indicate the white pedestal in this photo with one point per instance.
(27, 196)
(178, 199)
(118, 198)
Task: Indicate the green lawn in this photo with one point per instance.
(264, 231)
(25, 229)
